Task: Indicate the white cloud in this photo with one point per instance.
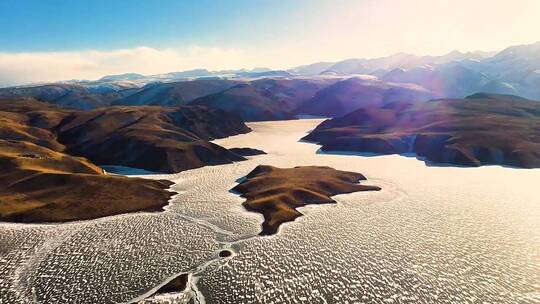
(21, 68)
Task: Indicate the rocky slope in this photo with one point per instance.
(276, 193)
(483, 129)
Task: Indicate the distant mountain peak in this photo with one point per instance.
(120, 77)
(455, 52)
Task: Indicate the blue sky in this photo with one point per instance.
(55, 25)
(48, 40)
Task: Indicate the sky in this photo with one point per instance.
(49, 40)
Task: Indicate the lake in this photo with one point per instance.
(433, 234)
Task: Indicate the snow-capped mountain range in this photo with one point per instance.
(514, 70)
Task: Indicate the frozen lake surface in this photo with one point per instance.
(432, 235)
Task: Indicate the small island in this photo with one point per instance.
(276, 193)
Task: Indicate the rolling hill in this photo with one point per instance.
(482, 129)
(264, 99)
(175, 93)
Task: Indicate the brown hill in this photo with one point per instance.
(246, 101)
(483, 129)
(41, 185)
(39, 182)
(292, 92)
(276, 192)
(152, 138)
(30, 121)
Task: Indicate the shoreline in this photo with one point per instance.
(91, 197)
